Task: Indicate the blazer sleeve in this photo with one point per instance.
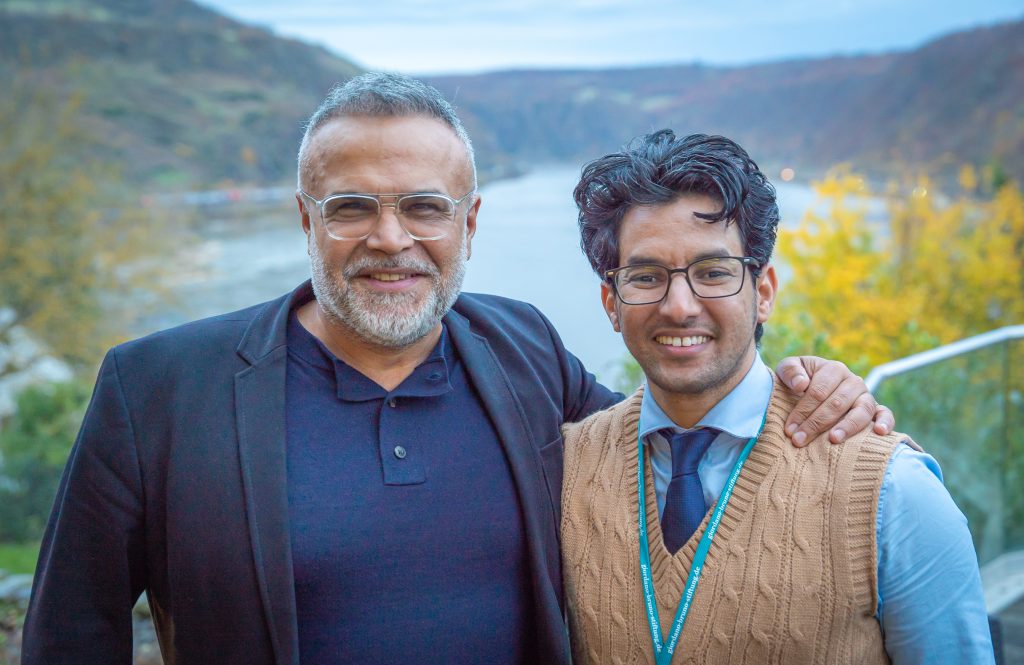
(583, 393)
(91, 566)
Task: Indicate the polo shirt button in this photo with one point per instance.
(400, 452)
(391, 402)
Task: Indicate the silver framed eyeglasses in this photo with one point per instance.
(423, 215)
(713, 277)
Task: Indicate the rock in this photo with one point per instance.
(16, 589)
(141, 610)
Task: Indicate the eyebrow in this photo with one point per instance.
(706, 254)
(364, 193)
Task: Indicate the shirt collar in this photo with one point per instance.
(430, 378)
(739, 413)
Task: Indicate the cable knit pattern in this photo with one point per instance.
(790, 577)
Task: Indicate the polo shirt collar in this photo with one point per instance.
(430, 378)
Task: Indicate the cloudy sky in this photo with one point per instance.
(441, 36)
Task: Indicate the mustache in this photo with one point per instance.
(399, 264)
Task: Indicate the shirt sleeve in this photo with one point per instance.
(930, 602)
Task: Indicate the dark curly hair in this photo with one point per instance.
(658, 168)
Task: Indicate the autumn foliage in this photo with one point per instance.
(80, 257)
(869, 278)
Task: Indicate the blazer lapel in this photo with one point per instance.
(509, 418)
(260, 419)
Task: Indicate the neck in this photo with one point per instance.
(386, 366)
(686, 409)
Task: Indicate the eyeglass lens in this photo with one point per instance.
(422, 215)
(709, 278)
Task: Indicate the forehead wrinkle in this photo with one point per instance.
(390, 161)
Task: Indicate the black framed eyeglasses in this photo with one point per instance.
(423, 215)
(712, 277)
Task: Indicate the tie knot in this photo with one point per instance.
(688, 448)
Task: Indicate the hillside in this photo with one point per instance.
(957, 99)
(180, 95)
(183, 97)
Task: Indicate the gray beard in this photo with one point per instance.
(392, 320)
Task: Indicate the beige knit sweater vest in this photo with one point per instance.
(791, 574)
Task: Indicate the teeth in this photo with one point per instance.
(388, 277)
(682, 341)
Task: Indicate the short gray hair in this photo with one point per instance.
(380, 94)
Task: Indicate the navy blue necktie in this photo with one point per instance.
(684, 500)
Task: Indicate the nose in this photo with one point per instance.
(680, 303)
(388, 236)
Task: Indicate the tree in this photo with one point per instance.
(76, 249)
(934, 270)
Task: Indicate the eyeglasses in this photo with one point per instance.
(648, 283)
(423, 216)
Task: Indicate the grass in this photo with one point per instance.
(18, 558)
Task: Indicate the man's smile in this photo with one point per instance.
(692, 340)
(389, 277)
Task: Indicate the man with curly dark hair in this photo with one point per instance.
(824, 554)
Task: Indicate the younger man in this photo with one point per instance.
(826, 554)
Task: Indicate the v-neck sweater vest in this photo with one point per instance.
(790, 578)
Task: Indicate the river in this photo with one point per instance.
(526, 247)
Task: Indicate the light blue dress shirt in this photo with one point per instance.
(930, 603)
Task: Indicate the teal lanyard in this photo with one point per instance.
(663, 652)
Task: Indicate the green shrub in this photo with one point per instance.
(34, 446)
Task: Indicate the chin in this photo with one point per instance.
(689, 381)
(678, 386)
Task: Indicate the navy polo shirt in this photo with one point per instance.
(407, 535)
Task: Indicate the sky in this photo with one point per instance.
(449, 36)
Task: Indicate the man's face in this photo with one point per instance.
(387, 288)
(717, 334)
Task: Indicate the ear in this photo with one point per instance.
(303, 213)
(471, 225)
(767, 286)
(611, 305)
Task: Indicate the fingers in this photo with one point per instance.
(834, 400)
(885, 420)
(826, 376)
(793, 374)
(846, 408)
(856, 419)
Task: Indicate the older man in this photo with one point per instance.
(364, 470)
(691, 527)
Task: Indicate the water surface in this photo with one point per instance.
(526, 247)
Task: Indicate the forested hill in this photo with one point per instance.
(184, 97)
(181, 96)
(957, 99)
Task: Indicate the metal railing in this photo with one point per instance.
(945, 352)
(964, 402)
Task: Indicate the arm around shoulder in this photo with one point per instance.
(584, 394)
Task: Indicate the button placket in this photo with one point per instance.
(401, 464)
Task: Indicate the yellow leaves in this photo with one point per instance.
(70, 238)
(934, 271)
(968, 178)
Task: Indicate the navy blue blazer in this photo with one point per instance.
(176, 485)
